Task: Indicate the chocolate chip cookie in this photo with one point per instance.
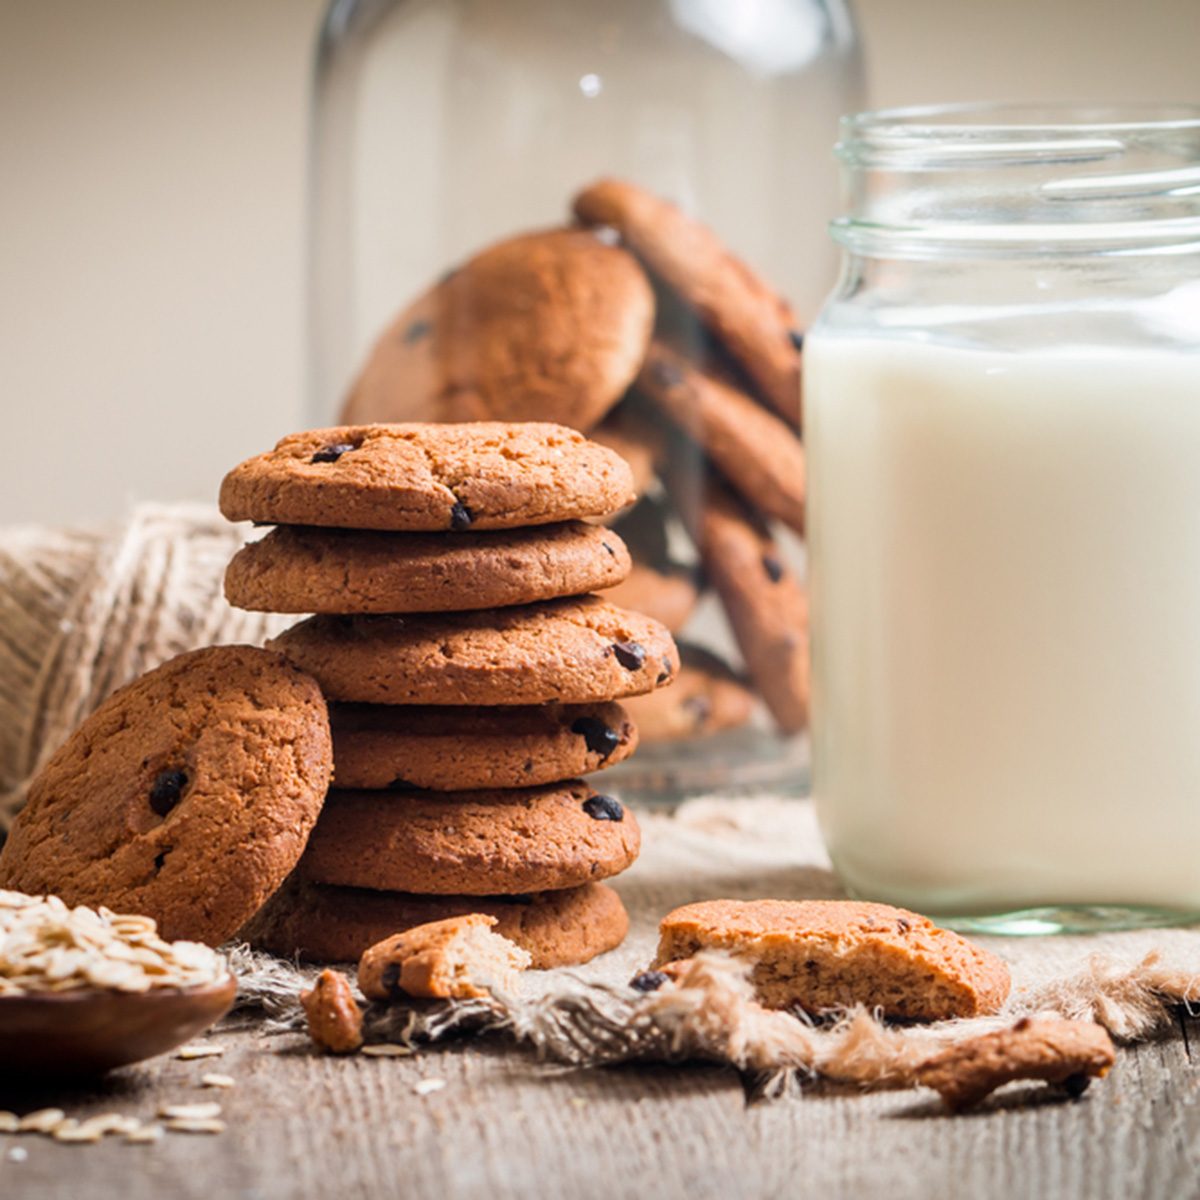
(632, 431)
(334, 924)
(188, 795)
(833, 954)
(753, 323)
(574, 651)
(667, 593)
(448, 749)
(766, 604)
(301, 569)
(427, 478)
(706, 698)
(472, 843)
(657, 584)
(547, 326)
(753, 448)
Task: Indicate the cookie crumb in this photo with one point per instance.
(217, 1081)
(459, 958)
(18, 1154)
(1063, 1053)
(427, 1086)
(334, 1018)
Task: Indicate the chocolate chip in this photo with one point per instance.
(603, 808)
(631, 655)
(648, 981)
(333, 453)
(796, 338)
(609, 549)
(1021, 1025)
(773, 567)
(699, 708)
(166, 790)
(402, 785)
(665, 374)
(460, 517)
(665, 673)
(1076, 1085)
(599, 738)
(391, 979)
(903, 925)
(416, 331)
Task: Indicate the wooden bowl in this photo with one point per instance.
(90, 1031)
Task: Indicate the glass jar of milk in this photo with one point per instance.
(1002, 416)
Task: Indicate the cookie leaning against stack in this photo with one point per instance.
(471, 677)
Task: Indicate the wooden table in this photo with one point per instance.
(304, 1125)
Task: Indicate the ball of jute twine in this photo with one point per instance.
(83, 611)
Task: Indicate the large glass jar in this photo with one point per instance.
(1002, 414)
(445, 129)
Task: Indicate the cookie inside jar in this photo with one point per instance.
(634, 323)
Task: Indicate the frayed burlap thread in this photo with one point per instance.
(710, 1014)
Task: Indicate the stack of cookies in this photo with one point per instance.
(471, 673)
(639, 327)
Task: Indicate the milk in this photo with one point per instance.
(1005, 575)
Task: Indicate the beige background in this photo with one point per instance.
(151, 196)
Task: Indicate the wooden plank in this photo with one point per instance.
(303, 1125)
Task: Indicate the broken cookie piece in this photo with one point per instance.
(823, 955)
(1067, 1053)
(334, 1018)
(458, 958)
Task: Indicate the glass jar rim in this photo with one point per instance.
(972, 121)
(1064, 172)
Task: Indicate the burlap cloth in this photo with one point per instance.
(82, 612)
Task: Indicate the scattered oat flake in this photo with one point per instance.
(18, 1154)
(43, 1120)
(199, 1050)
(217, 1081)
(112, 1122)
(425, 1086)
(190, 1112)
(144, 1134)
(74, 1132)
(386, 1050)
(207, 1125)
